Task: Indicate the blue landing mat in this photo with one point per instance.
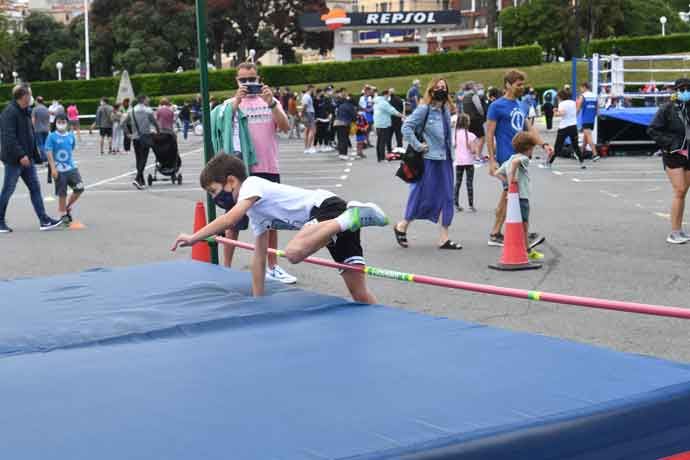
(174, 361)
(637, 115)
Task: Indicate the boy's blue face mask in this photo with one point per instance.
(224, 200)
(684, 95)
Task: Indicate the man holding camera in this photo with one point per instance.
(265, 116)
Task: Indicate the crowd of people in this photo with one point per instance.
(456, 132)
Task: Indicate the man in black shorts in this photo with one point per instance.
(104, 123)
(264, 117)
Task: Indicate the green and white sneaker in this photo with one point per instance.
(365, 215)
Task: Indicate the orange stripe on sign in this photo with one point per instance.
(681, 456)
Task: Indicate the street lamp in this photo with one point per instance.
(252, 54)
(662, 20)
(58, 66)
(14, 76)
(439, 43)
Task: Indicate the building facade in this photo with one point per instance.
(62, 11)
(472, 28)
(14, 11)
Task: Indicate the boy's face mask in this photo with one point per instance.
(62, 127)
(684, 95)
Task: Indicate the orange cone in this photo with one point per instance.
(514, 255)
(76, 225)
(200, 251)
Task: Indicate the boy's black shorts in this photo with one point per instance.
(524, 209)
(345, 248)
(68, 179)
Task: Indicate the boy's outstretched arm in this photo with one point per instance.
(217, 226)
(259, 264)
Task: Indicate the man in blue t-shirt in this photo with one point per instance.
(505, 119)
(413, 96)
(60, 148)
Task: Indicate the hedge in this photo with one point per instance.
(293, 74)
(642, 46)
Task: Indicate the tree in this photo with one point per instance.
(642, 18)
(68, 57)
(44, 35)
(9, 44)
(261, 25)
(546, 22)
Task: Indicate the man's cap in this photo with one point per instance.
(60, 117)
(682, 83)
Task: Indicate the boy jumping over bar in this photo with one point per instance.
(322, 218)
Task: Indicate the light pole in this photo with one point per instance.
(14, 76)
(58, 66)
(439, 43)
(662, 20)
(86, 40)
(2, 77)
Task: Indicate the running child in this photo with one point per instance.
(516, 169)
(361, 134)
(59, 148)
(322, 218)
(466, 153)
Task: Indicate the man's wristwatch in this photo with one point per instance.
(273, 104)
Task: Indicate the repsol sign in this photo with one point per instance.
(338, 18)
(416, 18)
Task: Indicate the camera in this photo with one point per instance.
(253, 88)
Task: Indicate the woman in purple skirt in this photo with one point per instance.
(431, 198)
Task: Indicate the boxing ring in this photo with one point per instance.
(629, 90)
(177, 361)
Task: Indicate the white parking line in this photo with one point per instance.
(612, 195)
(630, 180)
(114, 178)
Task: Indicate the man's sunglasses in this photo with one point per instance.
(248, 80)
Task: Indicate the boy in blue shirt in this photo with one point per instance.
(505, 119)
(60, 148)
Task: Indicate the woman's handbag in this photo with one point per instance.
(411, 167)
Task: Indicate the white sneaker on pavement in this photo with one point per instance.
(278, 274)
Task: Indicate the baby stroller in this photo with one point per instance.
(168, 161)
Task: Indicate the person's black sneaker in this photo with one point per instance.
(535, 239)
(66, 219)
(50, 224)
(496, 240)
(138, 185)
(4, 228)
(577, 157)
(596, 158)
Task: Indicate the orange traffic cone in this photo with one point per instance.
(514, 255)
(76, 225)
(200, 251)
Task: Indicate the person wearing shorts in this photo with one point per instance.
(321, 218)
(59, 148)
(505, 119)
(516, 170)
(309, 119)
(587, 108)
(265, 117)
(670, 129)
(104, 123)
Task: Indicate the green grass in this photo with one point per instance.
(553, 75)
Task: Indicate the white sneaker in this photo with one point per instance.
(310, 151)
(278, 274)
(343, 157)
